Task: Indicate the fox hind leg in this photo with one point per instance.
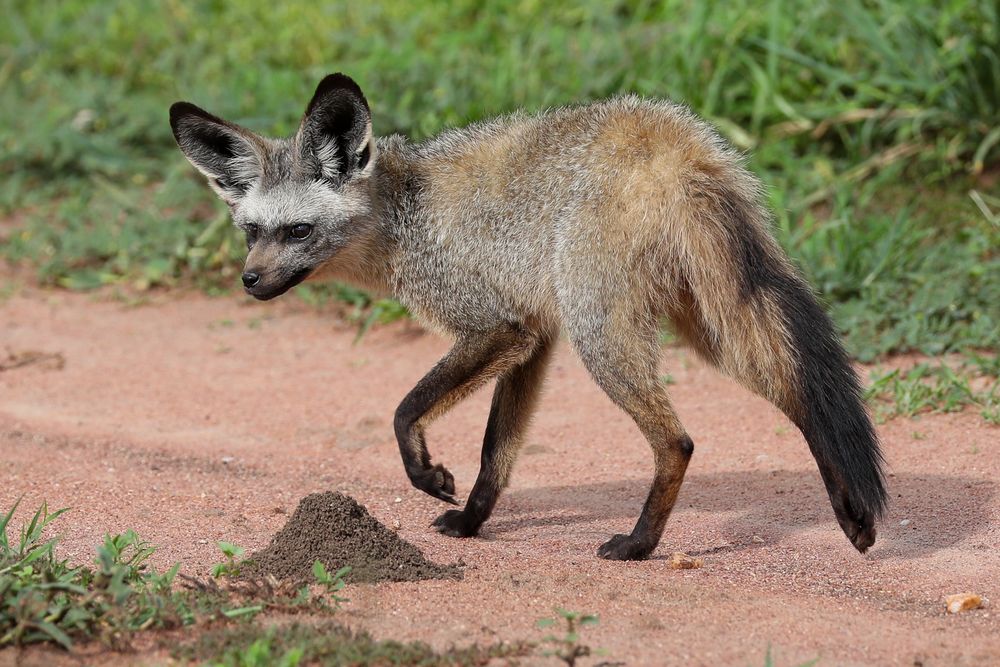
(514, 400)
(621, 351)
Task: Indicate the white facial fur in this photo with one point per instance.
(291, 203)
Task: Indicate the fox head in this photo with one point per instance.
(297, 199)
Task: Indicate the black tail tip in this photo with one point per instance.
(859, 526)
(862, 535)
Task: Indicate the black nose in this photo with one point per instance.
(250, 279)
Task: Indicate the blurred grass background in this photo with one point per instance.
(874, 124)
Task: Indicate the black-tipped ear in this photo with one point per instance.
(221, 150)
(336, 131)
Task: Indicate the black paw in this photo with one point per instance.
(456, 523)
(624, 547)
(436, 481)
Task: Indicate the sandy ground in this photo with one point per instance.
(193, 419)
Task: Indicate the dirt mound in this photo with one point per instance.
(337, 531)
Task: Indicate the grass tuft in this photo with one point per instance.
(936, 387)
(44, 599)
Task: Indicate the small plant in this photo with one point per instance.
(568, 647)
(260, 592)
(331, 584)
(365, 311)
(231, 567)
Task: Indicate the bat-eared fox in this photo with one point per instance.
(596, 222)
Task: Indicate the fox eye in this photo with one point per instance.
(252, 231)
(300, 231)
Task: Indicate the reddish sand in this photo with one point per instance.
(194, 420)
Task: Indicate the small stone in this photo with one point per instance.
(681, 561)
(226, 460)
(962, 602)
(757, 539)
(904, 522)
(396, 525)
(398, 500)
(202, 541)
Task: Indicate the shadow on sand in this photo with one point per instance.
(944, 511)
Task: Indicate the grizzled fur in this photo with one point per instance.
(593, 222)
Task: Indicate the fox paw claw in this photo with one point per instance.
(436, 481)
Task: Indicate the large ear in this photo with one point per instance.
(221, 150)
(336, 133)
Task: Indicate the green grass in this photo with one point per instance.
(45, 599)
(937, 387)
(252, 645)
(872, 123)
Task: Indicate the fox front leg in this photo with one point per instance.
(513, 402)
(473, 360)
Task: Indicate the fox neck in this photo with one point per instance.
(364, 262)
(370, 258)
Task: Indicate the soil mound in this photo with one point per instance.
(337, 531)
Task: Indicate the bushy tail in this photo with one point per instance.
(832, 416)
(746, 309)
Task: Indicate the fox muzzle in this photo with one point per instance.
(260, 287)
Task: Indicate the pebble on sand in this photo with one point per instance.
(962, 602)
(681, 561)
